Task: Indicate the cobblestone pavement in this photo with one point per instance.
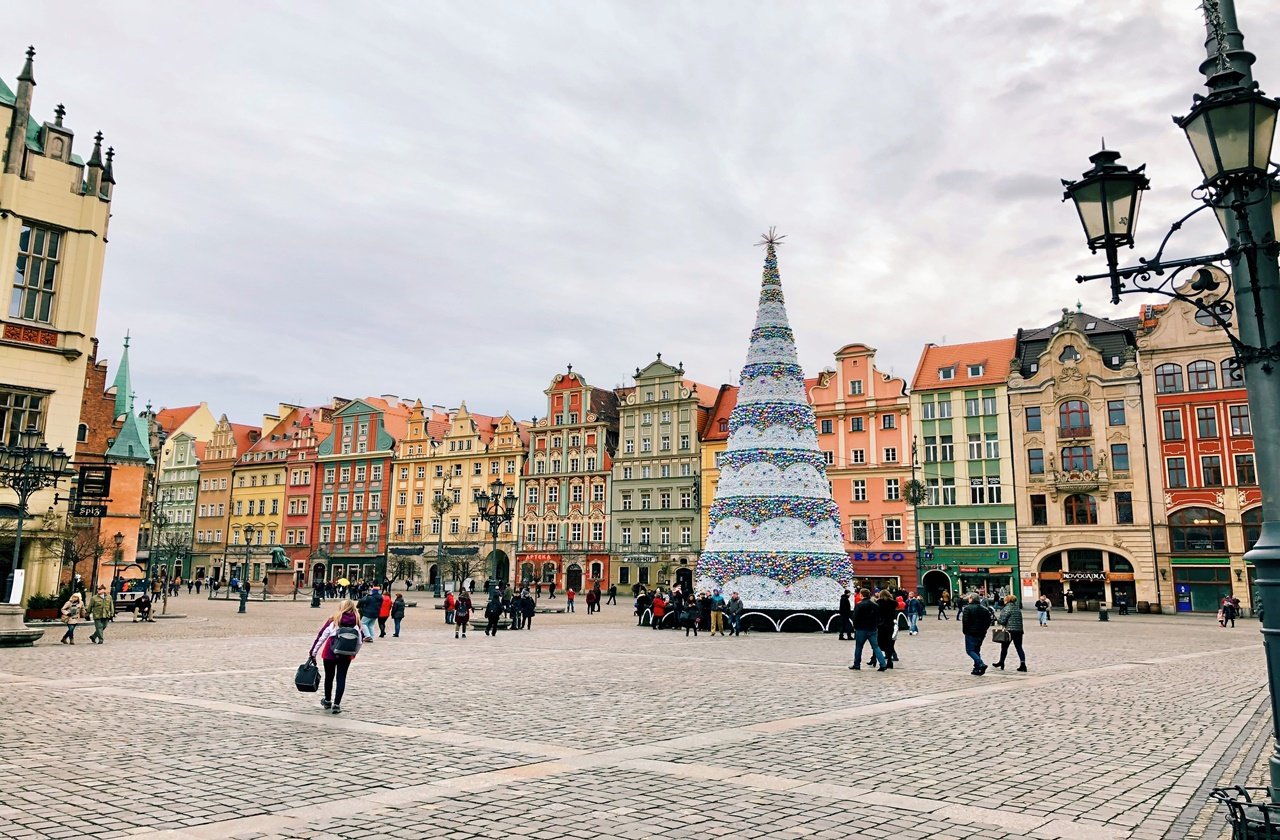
(589, 727)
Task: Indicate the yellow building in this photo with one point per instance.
(256, 511)
(713, 440)
(452, 456)
(53, 233)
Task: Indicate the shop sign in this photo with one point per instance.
(877, 555)
(535, 557)
(986, 570)
(1089, 577)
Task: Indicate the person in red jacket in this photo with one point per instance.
(383, 614)
(449, 603)
(659, 610)
(569, 595)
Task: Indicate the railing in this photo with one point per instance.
(1075, 432)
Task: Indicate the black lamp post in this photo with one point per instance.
(441, 505)
(1231, 132)
(244, 573)
(496, 508)
(27, 466)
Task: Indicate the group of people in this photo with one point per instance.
(707, 611)
(101, 608)
(1228, 611)
(376, 606)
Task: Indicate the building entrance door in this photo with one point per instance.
(684, 577)
(573, 578)
(935, 583)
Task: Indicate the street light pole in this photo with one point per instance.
(244, 573)
(496, 508)
(26, 467)
(1231, 131)
(441, 505)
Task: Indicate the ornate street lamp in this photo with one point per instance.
(244, 573)
(28, 466)
(1231, 132)
(496, 508)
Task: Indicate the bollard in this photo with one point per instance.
(244, 598)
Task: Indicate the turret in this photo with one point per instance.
(93, 178)
(15, 154)
(108, 175)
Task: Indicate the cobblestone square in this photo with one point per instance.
(590, 727)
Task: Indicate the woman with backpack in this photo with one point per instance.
(461, 614)
(336, 645)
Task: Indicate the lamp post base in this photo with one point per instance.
(13, 633)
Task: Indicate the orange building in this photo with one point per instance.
(864, 432)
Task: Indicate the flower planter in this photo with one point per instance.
(42, 614)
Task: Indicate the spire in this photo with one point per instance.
(122, 384)
(28, 73)
(774, 531)
(108, 175)
(58, 114)
(94, 177)
(95, 159)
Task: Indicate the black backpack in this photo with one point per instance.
(346, 641)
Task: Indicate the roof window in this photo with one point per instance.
(947, 373)
(976, 370)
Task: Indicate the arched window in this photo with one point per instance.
(1073, 415)
(1069, 354)
(1168, 379)
(1080, 509)
(1120, 564)
(1202, 376)
(1197, 529)
(1232, 375)
(1252, 520)
(1052, 563)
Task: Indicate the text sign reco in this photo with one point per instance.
(877, 555)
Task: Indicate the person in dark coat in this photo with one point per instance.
(492, 612)
(704, 611)
(1010, 618)
(370, 605)
(397, 613)
(689, 617)
(974, 621)
(866, 621)
(527, 606)
(887, 607)
(844, 621)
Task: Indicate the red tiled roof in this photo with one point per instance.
(706, 394)
(726, 399)
(199, 450)
(244, 436)
(170, 419)
(995, 356)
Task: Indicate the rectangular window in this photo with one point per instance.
(858, 532)
(626, 501)
(891, 454)
(977, 533)
(928, 411)
(356, 532)
(1246, 474)
(686, 534)
(1171, 422)
(597, 492)
(857, 456)
(684, 442)
(19, 410)
(1124, 508)
(664, 500)
(530, 533)
(930, 450)
(575, 532)
(36, 274)
(1211, 470)
(1120, 457)
(950, 533)
(977, 491)
(1033, 418)
(994, 494)
(1206, 422)
(553, 494)
(988, 405)
(893, 530)
(972, 407)
(1115, 412)
(553, 532)
(644, 534)
(664, 536)
(646, 501)
(1176, 471)
(944, 407)
(826, 426)
(946, 449)
(1039, 510)
(686, 499)
(948, 491)
(992, 442)
(855, 424)
(859, 490)
(999, 532)
(892, 489)
(1075, 458)
(575, 493)
(888, 421)
(855, 387)
(828, 456)
(1239, 415)
(932, 533)
(597, 532)
(626, 535)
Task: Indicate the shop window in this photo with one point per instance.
(1120, 564)
(624, 575)
(1197, 529)
(1080, 509)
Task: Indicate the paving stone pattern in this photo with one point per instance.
(589, 727)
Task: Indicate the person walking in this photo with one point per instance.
(528, 606)
(1042, 610)
(866, 623)
(613, 594)
(733, 611)
(689, 617)
(461, 614)
(384, 612)
(551, 590)
(336, 646)
(1227, 613)
(887, 607)
(492, 612)
(974, 621)
(1010, 618)
(593, 600)
(101, 609)
(944, 603)
(915, 612)
(717, 613)
(370, 606)
(1070, 598)
(72, 612)
(537, 589)
(397, 613)
(450, 602)
(844, 617)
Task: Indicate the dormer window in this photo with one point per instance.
(1069, 354)
(947, 373)
(976, 370)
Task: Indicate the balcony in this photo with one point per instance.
(1068, 482)
(1075, 433)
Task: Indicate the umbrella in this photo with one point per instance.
(343, 582)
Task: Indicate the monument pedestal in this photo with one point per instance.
(280, 581)
(13, 633)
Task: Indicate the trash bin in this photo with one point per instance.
(1102, 611)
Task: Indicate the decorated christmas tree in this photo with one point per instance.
(774, 532)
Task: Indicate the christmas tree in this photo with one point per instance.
(774, 532)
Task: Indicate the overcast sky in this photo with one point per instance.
(453, 200)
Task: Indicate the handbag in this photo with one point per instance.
(999, 634)
(308, 676)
